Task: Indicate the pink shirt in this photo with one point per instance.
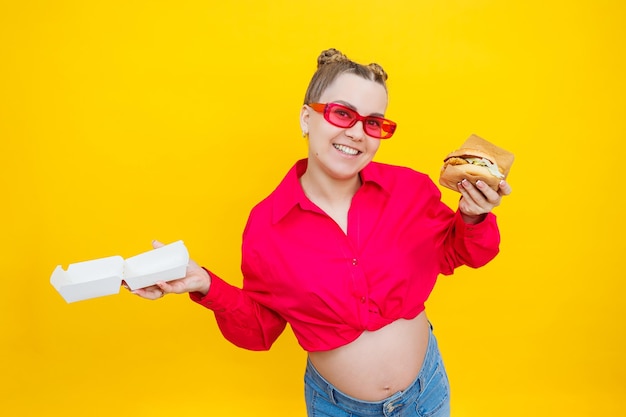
(300, 268)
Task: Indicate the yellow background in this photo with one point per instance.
(126, 121)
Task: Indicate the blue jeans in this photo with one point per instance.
(427, 396)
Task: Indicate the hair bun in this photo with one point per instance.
(329, 56)
(378, 70)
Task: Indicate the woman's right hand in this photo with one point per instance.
(195, 280)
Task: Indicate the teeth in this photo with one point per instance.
(346, 149)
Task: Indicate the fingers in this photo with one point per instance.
(478, 199)
(479, 193)
(156, 244)
(153, 292)
(165, 287)
(504, 188)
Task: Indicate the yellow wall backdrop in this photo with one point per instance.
(127, 121)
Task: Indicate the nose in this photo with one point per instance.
(356, 132)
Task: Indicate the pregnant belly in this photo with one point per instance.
(377, 364)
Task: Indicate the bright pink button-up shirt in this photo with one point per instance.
(300, 268)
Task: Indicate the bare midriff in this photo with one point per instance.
(377, 364)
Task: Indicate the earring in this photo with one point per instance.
(305, 133)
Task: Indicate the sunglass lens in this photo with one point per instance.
(373, 127)
(341, 116)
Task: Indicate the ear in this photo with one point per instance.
(304, 118)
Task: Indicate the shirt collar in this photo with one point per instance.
(289, 192)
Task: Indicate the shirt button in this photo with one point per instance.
(355, 261)
(362, 300)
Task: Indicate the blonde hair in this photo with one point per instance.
(331, 64)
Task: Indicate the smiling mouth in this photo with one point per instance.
(346, 150)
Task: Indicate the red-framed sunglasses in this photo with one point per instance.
(342, 116)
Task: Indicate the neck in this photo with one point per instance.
(323, 189)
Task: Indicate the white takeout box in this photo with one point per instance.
(104, 276)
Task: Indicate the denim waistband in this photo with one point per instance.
(388, 405)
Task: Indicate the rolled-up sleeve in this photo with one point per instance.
(473, 245)
(242, 320)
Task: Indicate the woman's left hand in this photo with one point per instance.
(478, 200)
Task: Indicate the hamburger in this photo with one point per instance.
(477, 159)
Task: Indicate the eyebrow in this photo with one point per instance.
(350, 106)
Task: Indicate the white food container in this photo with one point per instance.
(104, 276)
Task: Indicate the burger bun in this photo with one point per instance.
(456, 168)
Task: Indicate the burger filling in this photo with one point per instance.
(482, 162)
